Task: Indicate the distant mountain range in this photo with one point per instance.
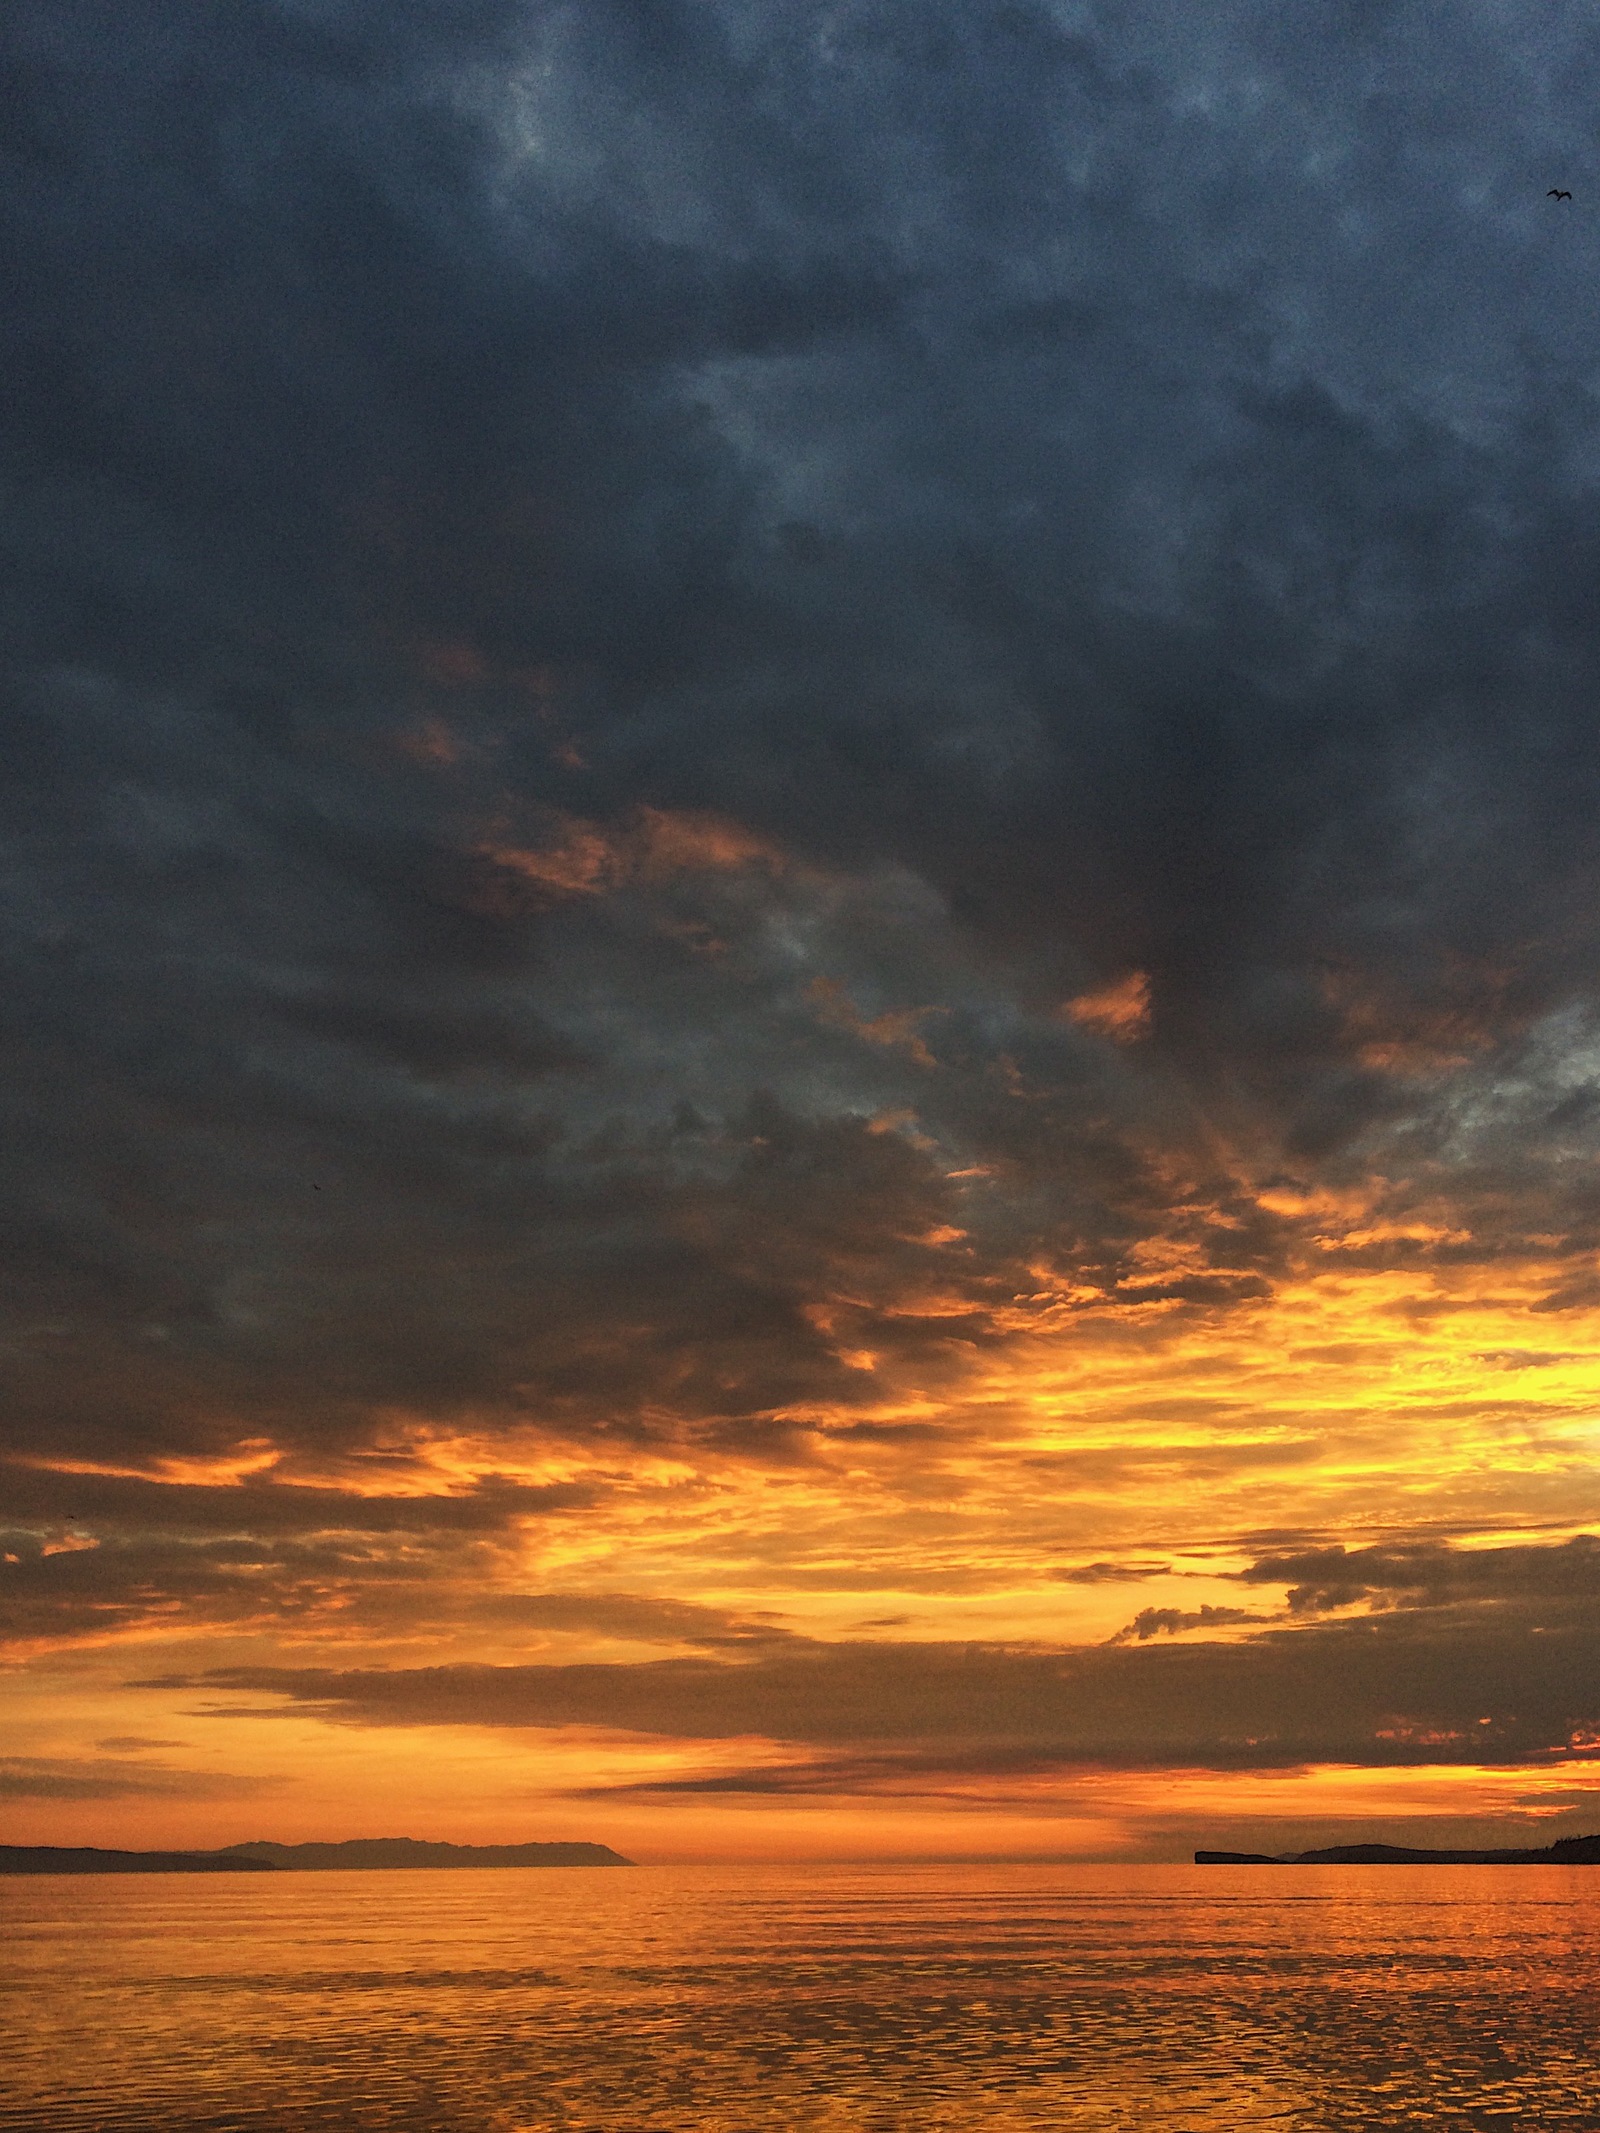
(1566, 1851)
(411, 1851)
(266, 1858)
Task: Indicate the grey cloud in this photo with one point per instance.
(1433, 1574)
(1471, 1683)
(1524, 1358)
(93, 1593)
(1174, 1621)
(920, 1774)
(375, 1579)
(130, 1505)
(89, 1555)
(245, 1558)
(642, 1617)
(1081, 516)
(38, 1777)
(1110, 1573)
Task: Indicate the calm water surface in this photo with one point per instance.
(1212, 2000)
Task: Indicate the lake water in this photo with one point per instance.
(1209, 2000)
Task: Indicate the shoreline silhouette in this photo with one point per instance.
(370, 1854)
(1566, 1851)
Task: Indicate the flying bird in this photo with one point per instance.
(1555, 193)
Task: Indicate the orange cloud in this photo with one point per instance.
(896, 1029)
(1120, 1011)
(1416, 1038)
(586, 858)
(431, 743)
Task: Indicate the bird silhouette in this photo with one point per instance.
(1555, 193)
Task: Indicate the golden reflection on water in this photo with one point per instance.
(846, 2000)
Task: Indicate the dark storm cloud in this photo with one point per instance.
(1483, 1672)
(1081, 493)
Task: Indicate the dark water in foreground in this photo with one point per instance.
(1211, 2000)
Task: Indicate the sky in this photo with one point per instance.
(802, 924)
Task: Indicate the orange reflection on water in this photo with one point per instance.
(749, 2001)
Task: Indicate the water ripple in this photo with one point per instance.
(839, 2000)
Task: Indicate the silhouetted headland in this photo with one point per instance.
(1566, 1851)
(413, 1851)
(90, 1859)
(266, 1858)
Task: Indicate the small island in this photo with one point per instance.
(262, 1857)
(1566, 1851)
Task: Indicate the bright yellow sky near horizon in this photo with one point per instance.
(1364, 1405)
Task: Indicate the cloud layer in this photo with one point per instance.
(799, 817)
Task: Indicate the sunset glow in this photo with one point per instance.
(803, 1052)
